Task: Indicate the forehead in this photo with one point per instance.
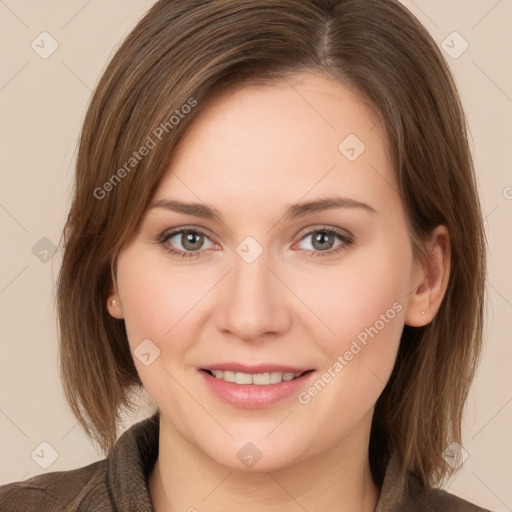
(308, 135)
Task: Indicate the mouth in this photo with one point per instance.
(257, 379)
(256, 386)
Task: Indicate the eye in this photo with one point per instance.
(190, 240)
(322, 241)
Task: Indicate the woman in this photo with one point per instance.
(276, 233)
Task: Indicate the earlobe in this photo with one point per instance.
(113, 302)
(426, 298)
(114, 308)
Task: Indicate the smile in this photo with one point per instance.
(258, 390)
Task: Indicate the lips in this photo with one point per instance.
(254, 386)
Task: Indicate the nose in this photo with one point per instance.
(254, 303)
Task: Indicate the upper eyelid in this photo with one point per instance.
(176, 231)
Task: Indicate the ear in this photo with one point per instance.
(117, 310)
(429, 282)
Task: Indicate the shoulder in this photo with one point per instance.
(116, 483)
(414, 497)
(58, 491)
(438, 499)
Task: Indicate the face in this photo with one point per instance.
(260, 287)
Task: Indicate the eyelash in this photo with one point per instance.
(347, 242)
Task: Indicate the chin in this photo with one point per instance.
(254, 454)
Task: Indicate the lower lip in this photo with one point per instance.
(251, 396)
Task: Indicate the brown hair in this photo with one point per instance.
(178, 57)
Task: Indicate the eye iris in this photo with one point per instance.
(189, 237)
(322, 237)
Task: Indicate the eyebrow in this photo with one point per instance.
(292, 211)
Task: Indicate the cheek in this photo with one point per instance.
(155, 304)
(154, 295)
(161, 302)
(362, 303)
(363, 309)
(148, 305)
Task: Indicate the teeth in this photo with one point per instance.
(243, 378)
(259, 379)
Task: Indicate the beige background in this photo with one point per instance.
(42, 104)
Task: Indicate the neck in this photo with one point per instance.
(185, 479)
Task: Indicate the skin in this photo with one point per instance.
(249, 154)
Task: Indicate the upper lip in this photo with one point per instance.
(259, 368)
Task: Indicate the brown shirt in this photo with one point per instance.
(118, 483)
